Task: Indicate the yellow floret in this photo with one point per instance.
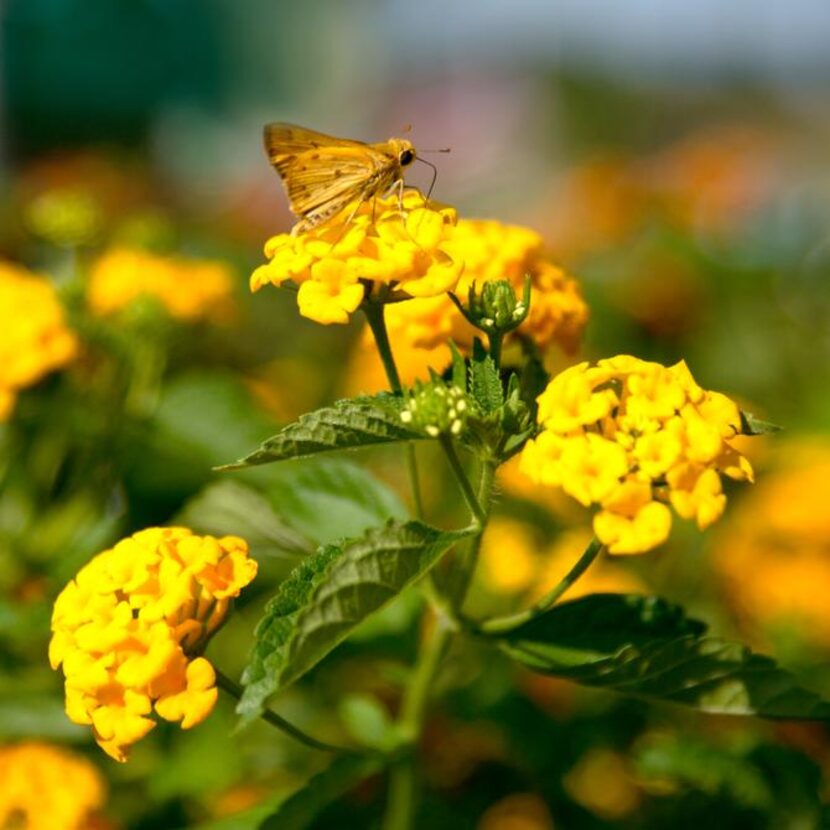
(128, 629)
(662, 439)
(336, 264)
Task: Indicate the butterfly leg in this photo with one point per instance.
(349, 222)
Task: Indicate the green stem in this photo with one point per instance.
(470, 497)
(496, 340)
(269, 716)
(414, 483)
(403, 776)
(466, 564)
(498, 625)
(376, 319)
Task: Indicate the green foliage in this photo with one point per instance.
(485, 383)
(532, 382)
(778, 785)
(297, 810)
(328, 595)
(201, 420)
(711, 770)
(300, 809)
(230, 507)
(459, 367)
(325, 499)
(750, 425)
(646, 647)
(299, 507)
(347, 424)
(367, 722)
(35, 715)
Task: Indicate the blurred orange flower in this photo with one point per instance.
(35, 339)
(45, 787)
(189, 289)
(773, 557)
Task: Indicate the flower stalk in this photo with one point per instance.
(286, 727)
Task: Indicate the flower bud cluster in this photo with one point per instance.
(436, 409)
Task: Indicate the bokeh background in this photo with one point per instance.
(675, 158)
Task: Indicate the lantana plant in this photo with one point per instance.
(635, 441)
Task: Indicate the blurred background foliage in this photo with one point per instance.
(674, 157)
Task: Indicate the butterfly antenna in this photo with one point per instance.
(434, 174)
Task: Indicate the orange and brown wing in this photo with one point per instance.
(321, 173)
(285, 139)
(317, 178)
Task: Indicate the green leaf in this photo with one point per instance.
(485, 383)
(532, 382)
(201, 420)
(705, 767)
(459, 367)
(231, 508)
(300, 809)
(367, 722)
(326, 499)
(328, 595)
(297, 810)
(26, 714)
(646, 647)
(347, 424)
(750, 425)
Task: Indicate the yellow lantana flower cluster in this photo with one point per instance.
(129, 628)
(494, 251)
(44, 787)
(336, 263)
(189, 289)
(35, 339)
(631, 437)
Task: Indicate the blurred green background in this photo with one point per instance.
(675, 159)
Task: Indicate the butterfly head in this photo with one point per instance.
(403, 151)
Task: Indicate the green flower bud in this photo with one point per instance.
(436, 409)
(496, 309)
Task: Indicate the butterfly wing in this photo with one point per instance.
(321, 173)
(285, 139)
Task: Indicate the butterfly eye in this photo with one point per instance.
(406, 157)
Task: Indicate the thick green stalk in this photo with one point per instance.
(402, 799)
(376, 319)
